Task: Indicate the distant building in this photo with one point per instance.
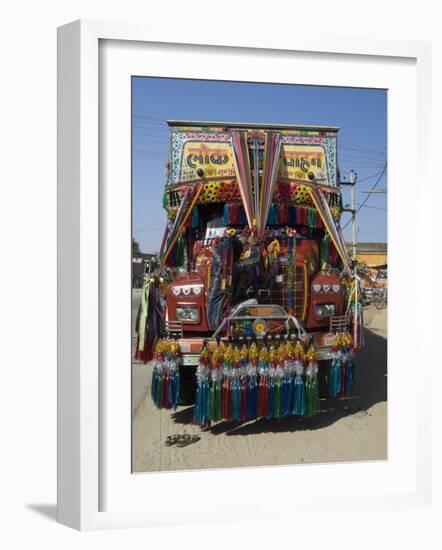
(372, 254)
(140, 264)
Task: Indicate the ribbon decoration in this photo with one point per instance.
(256, 179)
(187, 203)
(329, 223)
(144, 312)
(272, 149)
(354, 300)
(243, 174)
(149, 319)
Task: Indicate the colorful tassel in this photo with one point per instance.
(216, 385)
(247, 383)
(298, 407)
(311, 384)
(298, 391)
(264, 384)
(252, 383)
(165, 388)
(341, 373)
(201, 413)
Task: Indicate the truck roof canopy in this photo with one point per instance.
(255, 125)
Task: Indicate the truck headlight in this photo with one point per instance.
(325, 310)
(187, 313)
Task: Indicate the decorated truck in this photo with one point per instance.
(254, 308)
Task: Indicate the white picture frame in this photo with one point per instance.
(80, 296)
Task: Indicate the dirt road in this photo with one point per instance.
(350, 429)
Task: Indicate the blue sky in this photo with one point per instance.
(361, 115)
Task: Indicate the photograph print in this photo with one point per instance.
(259, 274)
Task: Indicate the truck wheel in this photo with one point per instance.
(187, 385)
(324, 368)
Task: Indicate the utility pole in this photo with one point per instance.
(353, 176)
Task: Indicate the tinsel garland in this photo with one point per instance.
(202, 408)
(165, 388)
(298, 406)
(216, 386)
(341, 373)
(347, 375)
(252, 382)
(264, 384)
(226, 409)
(256, 382)
(311, 383)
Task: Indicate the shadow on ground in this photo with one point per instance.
(48, 511)
(370, 388)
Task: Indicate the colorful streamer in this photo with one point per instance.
(335, 235)
(188, 202)
(243, 174)
(272, 149)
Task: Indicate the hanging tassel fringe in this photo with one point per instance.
(201, 414)
(247, 383)
(311, 384)
(341, 373)
(165, 388)
(256, 382)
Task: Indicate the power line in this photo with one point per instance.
(368, 196)
(362, 148)
(374, 207)
(370, 177)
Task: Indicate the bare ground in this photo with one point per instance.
(350, 429)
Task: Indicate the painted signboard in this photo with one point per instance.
(303, 162)
(214, 158)
(211, 151)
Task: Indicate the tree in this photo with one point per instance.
(135, 246)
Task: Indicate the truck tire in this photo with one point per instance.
(187, 385)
